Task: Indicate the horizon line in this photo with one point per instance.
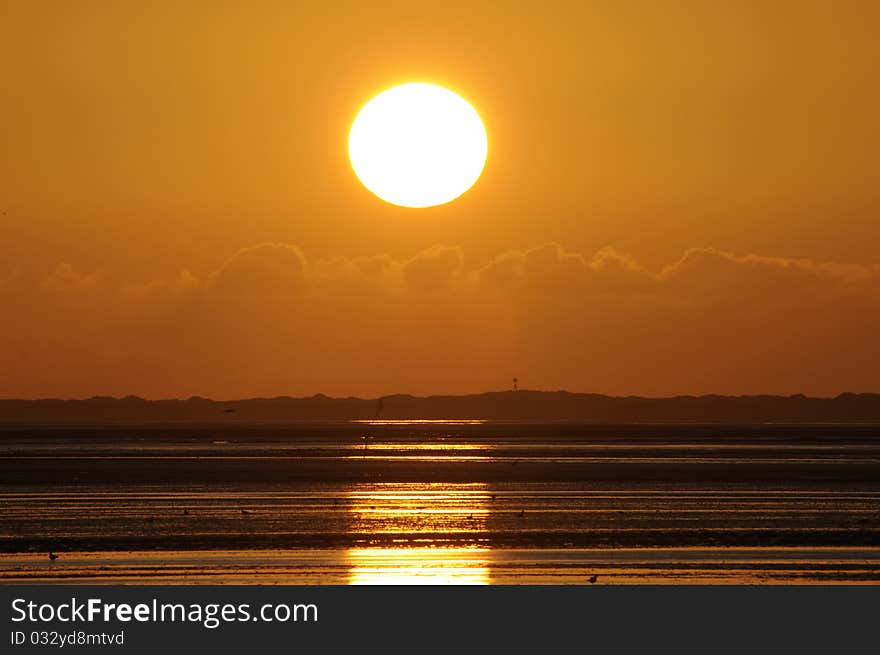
(322, 396)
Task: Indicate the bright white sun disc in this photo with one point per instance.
(418, 145)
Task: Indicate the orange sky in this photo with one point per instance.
(179, 215)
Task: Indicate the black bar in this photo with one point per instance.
(680, 619)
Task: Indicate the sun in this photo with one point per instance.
(418, 145)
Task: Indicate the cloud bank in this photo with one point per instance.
(269, 321)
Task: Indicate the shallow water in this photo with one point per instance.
(474, 566)
(441, 503)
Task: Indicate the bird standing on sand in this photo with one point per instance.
(592, 579)
(52, 556)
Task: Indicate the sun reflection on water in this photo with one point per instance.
(440, 528)
(422, 566)
(419, 421)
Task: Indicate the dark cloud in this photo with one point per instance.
(184, 285)
(265, 269)
(65, 278)
(717, 275)
(705, 263)
(433, 269)
(552, 269)
(278, 269)
(712, 321)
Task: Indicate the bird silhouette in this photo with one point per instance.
(522, 512)
(592, 579)
(52, 556)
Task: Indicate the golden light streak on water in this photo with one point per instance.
(429, 511)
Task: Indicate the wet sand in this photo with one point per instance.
(441, 503)
(453, 566)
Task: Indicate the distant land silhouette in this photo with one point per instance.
(503, 405)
